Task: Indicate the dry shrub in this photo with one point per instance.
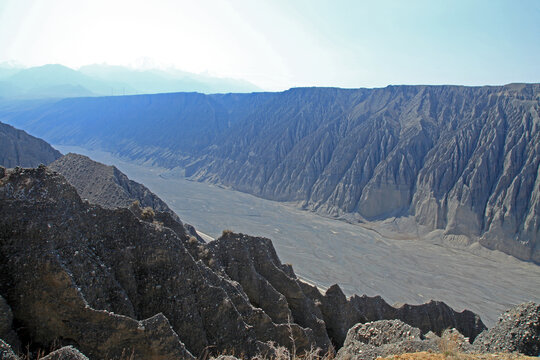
(226, 233)
(148, 214)
(449, 344)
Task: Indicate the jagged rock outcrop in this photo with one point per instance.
(340, 314)
(461, 159)
(84, 274)
(383, 338)
(518, 330)
(17, 148)
(269, 284)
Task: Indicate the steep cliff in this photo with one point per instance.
(17, 148)
(461, 159)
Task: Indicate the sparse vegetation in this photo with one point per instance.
(148, 214)
(282, 353)
(449, 344)
(226, 233)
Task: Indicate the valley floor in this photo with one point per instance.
(326, 251)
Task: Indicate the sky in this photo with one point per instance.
(278, 44)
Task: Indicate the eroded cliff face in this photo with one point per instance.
(106, 281)
(461, 159)
(110, 282)
(17, 148)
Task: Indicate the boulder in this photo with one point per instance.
(66, 353)
(518, 330)
(383, 338)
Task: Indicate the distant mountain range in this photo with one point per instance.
(58, 81)
(462, 160)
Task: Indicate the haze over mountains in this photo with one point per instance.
(58, 81)
(463, 160)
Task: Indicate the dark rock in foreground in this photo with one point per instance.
(76, 271)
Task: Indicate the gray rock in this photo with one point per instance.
(110, 188)
(518, 330)
(66, 353)
(105, 185)
(84, 273)
(340, 314)
(270, 285)
(383, 338)
(17, 148)
(382, 332)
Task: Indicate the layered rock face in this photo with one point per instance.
(17, 148)
(461, 159)
(110, 283)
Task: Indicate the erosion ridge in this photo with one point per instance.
(17, 148)
(460, 159)
(79, 272)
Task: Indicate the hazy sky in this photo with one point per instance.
(277, 44)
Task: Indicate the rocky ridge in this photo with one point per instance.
(110, 188)
(17, 148)
(107, 281)
(463, 160)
